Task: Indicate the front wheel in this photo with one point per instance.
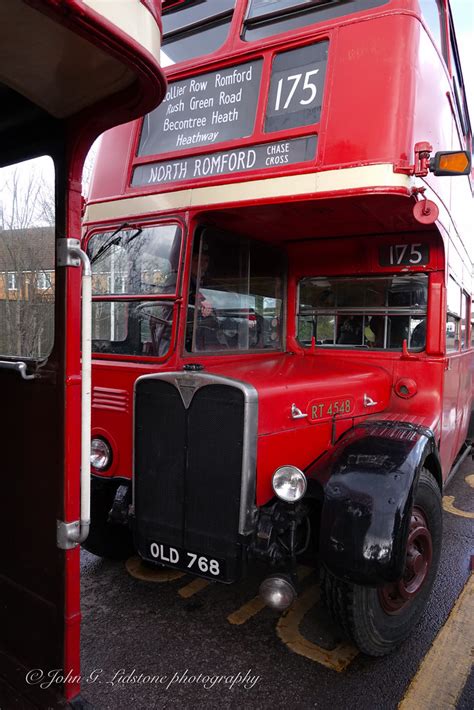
(378, 620)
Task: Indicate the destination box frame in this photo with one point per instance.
(301, 150)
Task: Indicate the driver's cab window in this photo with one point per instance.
(365, 312)
(27, 258)
(235, 295)
(134, 283)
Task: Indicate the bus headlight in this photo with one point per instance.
(101, 454)
(289, 483)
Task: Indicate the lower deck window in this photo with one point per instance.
(375, 312)
(452, 332)
(456, 317)
(235, 295)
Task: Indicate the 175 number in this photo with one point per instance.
(405, 254)
(295, 80)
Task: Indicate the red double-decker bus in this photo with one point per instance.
(68, 71)
(282, 301)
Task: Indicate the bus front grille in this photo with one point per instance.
(188, 467)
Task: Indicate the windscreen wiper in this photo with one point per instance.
(115, 238)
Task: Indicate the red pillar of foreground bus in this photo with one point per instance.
(68, 71)
(282, 289)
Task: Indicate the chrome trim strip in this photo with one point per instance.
(188, 383)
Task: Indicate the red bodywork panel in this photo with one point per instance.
(380, 96)
(386, 89)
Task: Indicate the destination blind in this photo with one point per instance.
(204, 110)
(221, 106)
(239, 160)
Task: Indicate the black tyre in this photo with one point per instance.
(106, 539)
(378, 620)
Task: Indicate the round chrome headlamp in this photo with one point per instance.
(101, 454)
(289, 483)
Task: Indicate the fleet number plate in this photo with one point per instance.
(329, 408)
(192, 562)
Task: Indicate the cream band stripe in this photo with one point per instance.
(375, 176)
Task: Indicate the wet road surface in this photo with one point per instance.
(172, 641)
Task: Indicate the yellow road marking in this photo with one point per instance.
(138, 570)
(448, 505)
(246, 611)
(445, 669)
(193, 587)
(252, 607)
(288, 630)
(448, 501)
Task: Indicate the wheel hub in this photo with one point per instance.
(395, 596)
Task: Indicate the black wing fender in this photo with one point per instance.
(368, 481)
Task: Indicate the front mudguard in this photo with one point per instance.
(368, 480)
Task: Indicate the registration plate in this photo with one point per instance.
(192, 562)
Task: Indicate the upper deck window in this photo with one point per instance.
(270, 17)
(194, 27)
(458, 86)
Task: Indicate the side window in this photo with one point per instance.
(377, 312)
(12, 281)
(459, 93)
(453, 318)
(27, 247)
(464, 320)
(433, 14)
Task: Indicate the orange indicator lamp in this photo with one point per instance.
(451, 163)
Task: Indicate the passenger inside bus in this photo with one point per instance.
(350, 331)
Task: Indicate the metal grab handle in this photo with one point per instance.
(20, 367)
(369, 402)
(296, 413)
(69, 535)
